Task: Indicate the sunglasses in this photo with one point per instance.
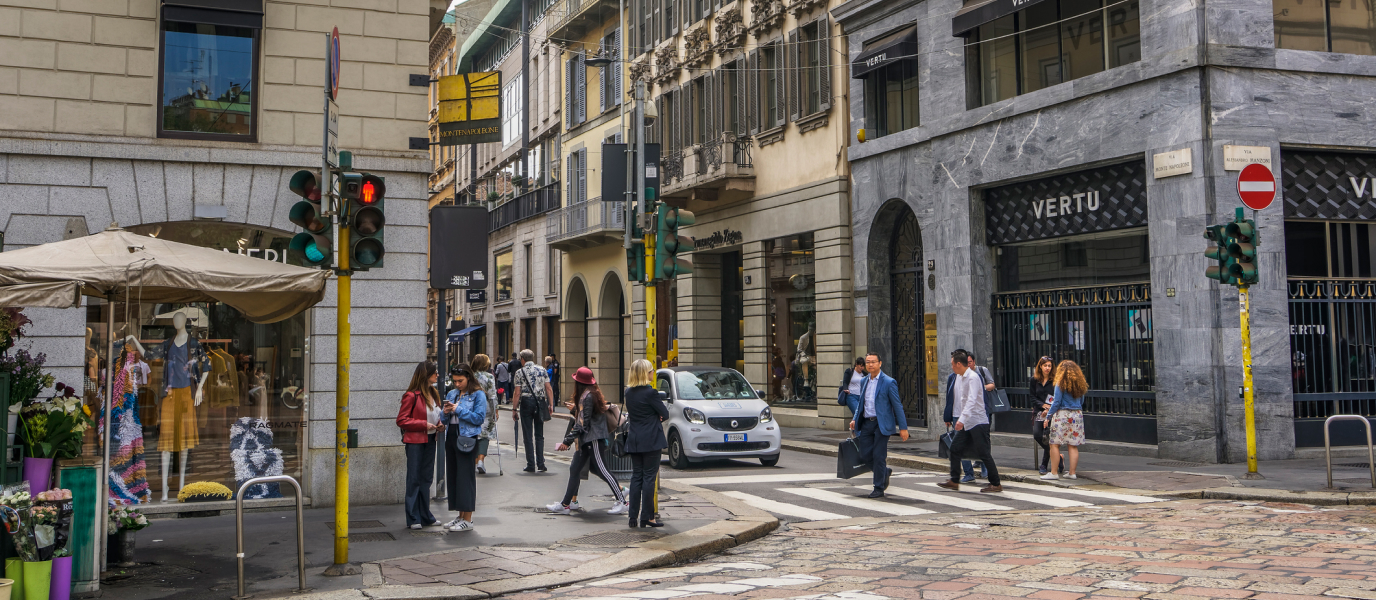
(1046, 358)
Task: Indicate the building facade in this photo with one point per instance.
(185, 121)
(1034, 179)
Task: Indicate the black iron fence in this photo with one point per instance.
(535, 202)
(1107, 330)
(1332, 356)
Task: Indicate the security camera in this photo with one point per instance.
(651, 114)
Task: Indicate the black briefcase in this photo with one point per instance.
(848, 461)
(943, 444)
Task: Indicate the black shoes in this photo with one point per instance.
(634, 523)
(651, 524)
(877, 493)
(887, 474)
(529, 469)
(541, 468)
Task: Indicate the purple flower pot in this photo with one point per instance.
(39, 473)
(61, 588)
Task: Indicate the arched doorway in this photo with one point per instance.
(896, 321)
(575, 327)
(611, 310)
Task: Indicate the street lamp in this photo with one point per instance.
(598, 61)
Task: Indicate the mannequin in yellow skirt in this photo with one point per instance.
(184, 364)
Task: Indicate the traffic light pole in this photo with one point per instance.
(1248, 405)
(651, 333)
(341, 415)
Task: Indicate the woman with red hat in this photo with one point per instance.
(591, 427)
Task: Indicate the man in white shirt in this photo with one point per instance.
(972, 424)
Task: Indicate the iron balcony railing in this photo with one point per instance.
(719, 158)
(593, 216)
(530, 204)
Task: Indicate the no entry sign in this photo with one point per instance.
(1256, 186)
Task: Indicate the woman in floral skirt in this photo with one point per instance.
(1065, 417)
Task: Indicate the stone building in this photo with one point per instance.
(1034, 179)
(185, 120)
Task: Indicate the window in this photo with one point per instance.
(770, 70)
(1347, 27)
(575, 93)
(528, 280)
(577, 177)
(209, 60)
(1048, 43)
(891, 98)
(511, 112)
(730, 95)
(503, 264)
(609, 77)
(552, 261)
(699, 108)
(1095, 259)
(814, 60)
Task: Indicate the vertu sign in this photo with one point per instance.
(1088, 201)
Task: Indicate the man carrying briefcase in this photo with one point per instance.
(880, 416)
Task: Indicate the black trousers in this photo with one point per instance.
(590, 454)
(874, 447)
(461, 476)
(533, 423)
(973, 443)
(644, 470)
(420, 469)
(1040, 434)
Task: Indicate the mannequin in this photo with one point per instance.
(805, 356)
(184, 366)
(128, 480)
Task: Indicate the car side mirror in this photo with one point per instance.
(664, 397)
(759, 394)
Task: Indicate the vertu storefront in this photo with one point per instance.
(1073, 282)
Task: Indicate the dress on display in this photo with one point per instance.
(254, 456)
(181, 373)
(128, 472)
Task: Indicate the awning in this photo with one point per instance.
(887, 50)
(457, 336)
(978, 12)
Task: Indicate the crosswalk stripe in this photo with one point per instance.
(784, 508)
(1033, 498)
(947, 499)
(1088, 493)
(762, 478)
(857, 502)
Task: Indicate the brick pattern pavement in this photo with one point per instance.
(1185, 550)
(473, 565)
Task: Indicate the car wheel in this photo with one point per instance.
(677, 459)
(769, 461)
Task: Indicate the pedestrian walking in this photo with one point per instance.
(880, 417)
(588, 432)
(1065, 417)
(531, 404)
(1041, 390)
(644, 441)
(465, 410)
(420, 419)
(849, 393)
(971, 424)
(503, 381)
(553, 371)
(479, 366)
(966, 466)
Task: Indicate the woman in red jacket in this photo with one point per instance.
(419, 420)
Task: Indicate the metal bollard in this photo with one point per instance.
(239, 530)
(1328, 449)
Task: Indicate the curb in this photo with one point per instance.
(746, 524)
(1325, 498)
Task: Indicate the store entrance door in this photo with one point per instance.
(905, 280)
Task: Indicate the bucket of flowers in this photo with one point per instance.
(52, 512)
(124, 521)
(51, 428)
(32, 574)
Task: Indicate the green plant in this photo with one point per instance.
(27, 377)
(53, 427)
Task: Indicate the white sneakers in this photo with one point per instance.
(558, 509)
(460, 526)
(417, 526)
(1071, 476)
(620, 508)
(482, 469)
(575, 506)
(1051, 476)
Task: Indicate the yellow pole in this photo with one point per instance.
(1249, 406)
(341, 410)
(651, 346)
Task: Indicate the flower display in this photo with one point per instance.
(54, 495)
(16, 511)
(53, 427)
(204, 491)
(124, 518)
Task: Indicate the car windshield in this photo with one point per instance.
(713, 385)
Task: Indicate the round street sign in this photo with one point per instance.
(334, 64)
(1256, 186)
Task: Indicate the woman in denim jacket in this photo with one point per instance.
(465, 410)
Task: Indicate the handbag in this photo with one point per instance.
(465, 444)
(848, 461)
(621, 430)
(541, 403)
(996, 400)
(943, 443)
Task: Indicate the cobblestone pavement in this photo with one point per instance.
(1174, 550)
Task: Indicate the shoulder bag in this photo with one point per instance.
(995, 400)
(621, 431)
(541, 402)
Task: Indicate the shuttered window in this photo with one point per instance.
(811, 86)
(752, 102)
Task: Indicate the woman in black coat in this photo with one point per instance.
(644, 441)
(1040, 389)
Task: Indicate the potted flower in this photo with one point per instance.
(124, 521)
(52, 512)
(32, 574)
(51, 428)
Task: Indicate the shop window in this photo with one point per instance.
(1098, 259)
(891, 99)
(1050, 42)
(1338, 249)
(503, 268)
(1326, 26)
(790, 264)
(207, 69)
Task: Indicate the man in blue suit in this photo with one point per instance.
(880, 415)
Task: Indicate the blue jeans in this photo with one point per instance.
(875, 447)
(853, 402)
(969, 468)
(420, 471)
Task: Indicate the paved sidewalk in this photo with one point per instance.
(1187, 550)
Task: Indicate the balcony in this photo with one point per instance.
(535, 202)
(578, 17)
(585, 225)
(720, 169)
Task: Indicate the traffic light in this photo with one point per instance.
(1234, 247)
(315, 245)
(366, 223)
(635, 262)
(670, 245)
(1217, 252)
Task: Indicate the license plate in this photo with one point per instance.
(735, 437)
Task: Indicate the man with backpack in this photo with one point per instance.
(531, 405)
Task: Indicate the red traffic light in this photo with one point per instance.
(369, 193)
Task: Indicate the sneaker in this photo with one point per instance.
(991, 489)
(461, 526)
(541, 468)
(1051, 477)
(1041, 470)
(950, 485)
(417, 526)
(575, 505)
(877, 493)
(452, 522)
(1071, 476)
(558, 509)
(968, 479)
(620, 508)
(482, 470)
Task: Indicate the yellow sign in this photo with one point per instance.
(470, 110)
(929, 333)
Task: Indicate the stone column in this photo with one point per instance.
(699, 313)
(756, 311)
(833, 342)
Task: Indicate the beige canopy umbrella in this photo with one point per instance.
(116, 265)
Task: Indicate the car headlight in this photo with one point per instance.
(694, 416)
(766, 415)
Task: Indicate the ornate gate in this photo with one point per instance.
(905, 280)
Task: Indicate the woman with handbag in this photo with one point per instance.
(1041, 389)
(479, 367)
(420, 419)
(588, 432)
(465, 411)
(1064, 416)
(644, 439)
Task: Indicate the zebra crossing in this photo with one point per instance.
(823, 497)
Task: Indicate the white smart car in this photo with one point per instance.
(715, 413)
